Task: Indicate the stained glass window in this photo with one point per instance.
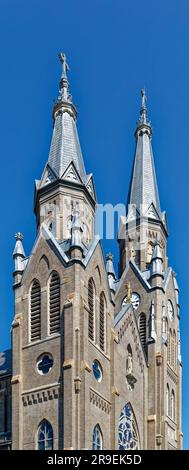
(45, 364)
(97, 438)
(97, 370)
(45, 436)
(128, 434)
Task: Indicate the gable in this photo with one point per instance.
(71, 174)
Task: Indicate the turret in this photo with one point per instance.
(18, 256)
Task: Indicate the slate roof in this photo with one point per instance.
(5, 362)
(143, 185)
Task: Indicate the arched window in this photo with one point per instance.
(97, 438)
(169, 345)
(45, 436)
(168, 400)
(102, 334)
(174, 350)
(54, 303)
(128, 437)
(142, 329)
(91, 305)
(35, 311)
(173, 405)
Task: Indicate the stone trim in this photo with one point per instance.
(128, 321)
(151, 418)
(15, 379)
(100, 401)
(85, 366)
(172, 374)
(99, 349)
(40, 396)
(68, 364)
(39, 341)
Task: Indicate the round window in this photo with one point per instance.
(44, 364)
(97, 370)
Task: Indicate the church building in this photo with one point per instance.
(96, 358)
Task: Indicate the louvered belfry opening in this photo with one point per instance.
(91, 305)
(142, 329)
(102, 321)
(35, 311)
(54, 304)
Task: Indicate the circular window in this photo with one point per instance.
(44, 364)
(97, 370)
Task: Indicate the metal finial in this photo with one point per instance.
(64, 63)
(19, 236)
(64, 94)
(144, 99)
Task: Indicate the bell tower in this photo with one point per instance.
(64, 182)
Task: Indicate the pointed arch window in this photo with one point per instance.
(168, 400)
(91, 306)
(172, 405)
(97, 438)
(54, 303)
(174, 351)
(128, 437)
(35, 311)
(142, 329)
(169, 350)
(45, 436)
(102, 335)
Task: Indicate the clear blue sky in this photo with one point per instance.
(114, 48)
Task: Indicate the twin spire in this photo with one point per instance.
(143, 192)
(65, 159)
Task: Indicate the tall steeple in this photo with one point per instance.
(65, 147)
(64, 175)
(145, 223)
(143, 187)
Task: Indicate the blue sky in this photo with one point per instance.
(114, 48)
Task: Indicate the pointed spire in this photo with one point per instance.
(152, 336)
(143, 193)
(65, 150)
(19, 249)
(157, 261)
(110, 271)
(18, 256)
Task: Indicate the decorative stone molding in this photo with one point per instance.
(15, 379)
(115, 391)
(40, 396)
(172, 374)
(68, 363)
(85, 366)
(128, 321)
(159, 439)
(159, 359)
(99, 401)
(151, 418)
(115, 337)
(77, 382)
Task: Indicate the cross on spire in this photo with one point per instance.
(65, 66)
(144, 99)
